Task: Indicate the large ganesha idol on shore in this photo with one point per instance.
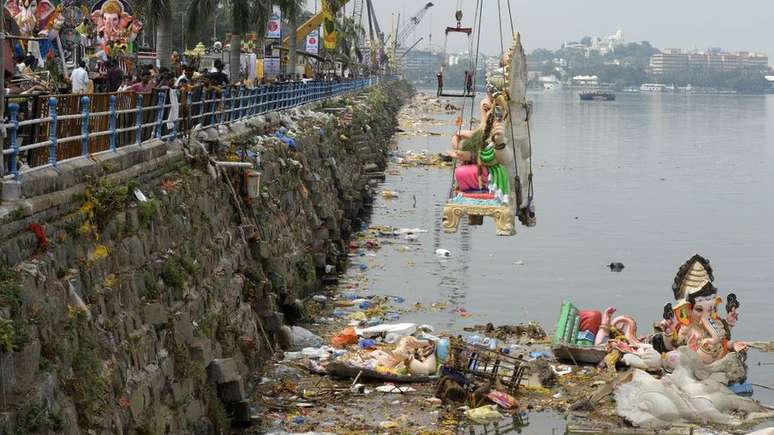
(694, 320)
(114, 21)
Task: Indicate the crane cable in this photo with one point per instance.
(477, 30)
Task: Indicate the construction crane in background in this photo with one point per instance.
(375, 36)
(411, 25)
(314, 22)
(403, 32)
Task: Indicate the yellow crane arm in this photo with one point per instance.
(315, 22)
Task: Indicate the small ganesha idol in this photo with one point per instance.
(694, 320)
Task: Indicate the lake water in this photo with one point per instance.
(647, 180)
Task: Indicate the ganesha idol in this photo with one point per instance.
(694, 320)
(114, 21)
(493, 175)
(33, 17)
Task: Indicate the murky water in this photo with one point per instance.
(647, 180)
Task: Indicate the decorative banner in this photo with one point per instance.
(313, 42)
(329, 27)
(274, 28)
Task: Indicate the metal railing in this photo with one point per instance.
(59, 128)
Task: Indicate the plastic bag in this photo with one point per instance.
(484, 414)
(344, 338)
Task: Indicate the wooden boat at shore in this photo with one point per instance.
(578, 354)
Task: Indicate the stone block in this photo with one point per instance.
(154, 314)
(11, 190)
(233, 391)
(182, 390)
(183, 328)
(222, 370)
(194, 411)
(201, 351)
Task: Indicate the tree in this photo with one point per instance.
(243, 14)
(159, 15)
(586, 40)
(263, 10)
(350, 34)
(292, 9)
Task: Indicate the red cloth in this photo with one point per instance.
(590, 320)
(467, 177)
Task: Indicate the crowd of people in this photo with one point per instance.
(151, 77)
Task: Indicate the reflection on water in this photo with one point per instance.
(646, 180)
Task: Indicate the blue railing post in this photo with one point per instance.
(241, 102)
(138, 120)
(263, 96)
(214, 107)
(160, 114)
(189, 112)
(223, 106)
(52, 103)
(85, 125)
(13, 166)
(174, 123)
(112, 122)
(253, 101)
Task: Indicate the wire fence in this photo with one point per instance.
(45, 130)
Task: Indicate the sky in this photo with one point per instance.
(690, 24)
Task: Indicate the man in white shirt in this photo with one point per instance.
(184, 78)
(79, 78)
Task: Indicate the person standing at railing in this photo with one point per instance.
(143, 86)
(79, 79)
(114, 76)
(186, 77)
(219, 77)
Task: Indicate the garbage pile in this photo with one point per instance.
(412, 159)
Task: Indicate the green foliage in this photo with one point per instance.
(38, 419)
(151, 291)
(146, 210)
(86, 384)
(13, 336)
(10, 290)
(104, 199)
(172, 276)
(18, 213)
(189, 264)
(745, 81)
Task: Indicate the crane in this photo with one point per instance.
(408, 28)
(403, 32)
(314, 22)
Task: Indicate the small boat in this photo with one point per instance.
(578, 354)
(597, 96)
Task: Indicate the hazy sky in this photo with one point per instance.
(693, 24)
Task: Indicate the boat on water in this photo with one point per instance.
(597, 96)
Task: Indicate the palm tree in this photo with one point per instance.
(350, 35)
(292, 9)
(243, 14)
(263, 11)
(158, 14)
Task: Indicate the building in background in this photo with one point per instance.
(676, 61)
(420, 65)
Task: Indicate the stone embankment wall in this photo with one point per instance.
(122, 316)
